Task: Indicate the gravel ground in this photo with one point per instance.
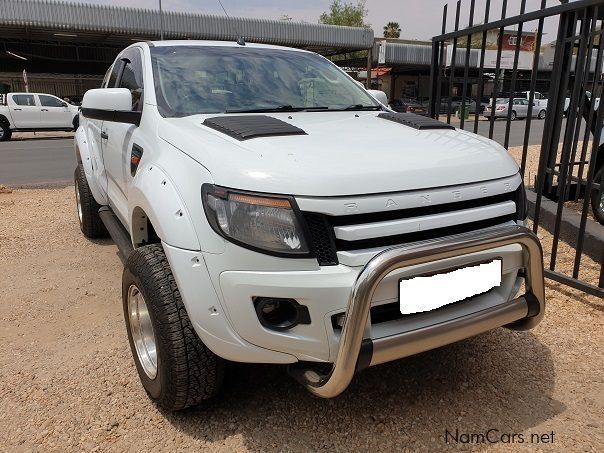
(69, 383)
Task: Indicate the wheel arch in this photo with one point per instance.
(156, 209)
(4, 120)
(143, 231)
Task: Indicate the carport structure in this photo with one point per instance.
(81, 40)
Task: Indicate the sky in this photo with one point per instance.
(419, 19)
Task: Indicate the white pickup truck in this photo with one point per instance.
(20, 112)
(270, 210)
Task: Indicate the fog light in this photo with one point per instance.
(280, 314)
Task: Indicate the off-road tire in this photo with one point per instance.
(5, 133)
(596, 199)
(188, 373)
(88, 209)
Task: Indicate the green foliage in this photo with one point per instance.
(392, 30)
(347, 14)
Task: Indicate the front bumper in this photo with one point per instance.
(355, 351)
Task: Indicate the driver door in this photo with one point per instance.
(119, 139)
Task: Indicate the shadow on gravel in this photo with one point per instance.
(502, 380)
(102, 242)
(106, 242)
(576, 295)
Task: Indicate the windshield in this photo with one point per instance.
(199, 79)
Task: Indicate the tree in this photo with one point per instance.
(392, 30)
(343, 13)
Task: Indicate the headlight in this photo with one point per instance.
(265, 223)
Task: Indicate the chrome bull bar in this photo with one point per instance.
(355, 353)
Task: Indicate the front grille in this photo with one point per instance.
(421, 235)
(327, 236)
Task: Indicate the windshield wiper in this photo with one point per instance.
(290, 108)
(277, 108)
(360, 107)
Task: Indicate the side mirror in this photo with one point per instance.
(379, 95)
(110, 104)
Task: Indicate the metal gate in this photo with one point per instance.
(568, 190)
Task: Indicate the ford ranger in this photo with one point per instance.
(35, 112)
(268, 209)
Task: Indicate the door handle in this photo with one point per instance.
(17, 109)
(104, 135)
(45, 110)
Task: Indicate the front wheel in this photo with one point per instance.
(5, 132)
(176, 369)
(597, 198)
(541, 114)
(513, 116)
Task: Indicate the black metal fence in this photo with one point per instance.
(568, 188)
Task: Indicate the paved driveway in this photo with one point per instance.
(37, 161)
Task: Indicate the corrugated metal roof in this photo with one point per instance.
(404, 53)
(421, 55)
(131, 21)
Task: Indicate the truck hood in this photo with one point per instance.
(343, 153)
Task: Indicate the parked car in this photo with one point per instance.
(444, 106)
(35, 112)
(477, 106)
(409, 106)
(520, 107)
(291, 220)
(540, 101)
(470, 105)
(588, 93)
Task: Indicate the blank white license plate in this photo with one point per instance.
(425, 293)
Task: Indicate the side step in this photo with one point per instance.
(117, 232)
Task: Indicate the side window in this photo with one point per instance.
(24, 99)
(50, 101)
(115, 71)
(106, 78)
(132, 78)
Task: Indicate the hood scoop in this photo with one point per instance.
(245, 127)
(415, 121)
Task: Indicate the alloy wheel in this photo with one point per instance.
(141, 329)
